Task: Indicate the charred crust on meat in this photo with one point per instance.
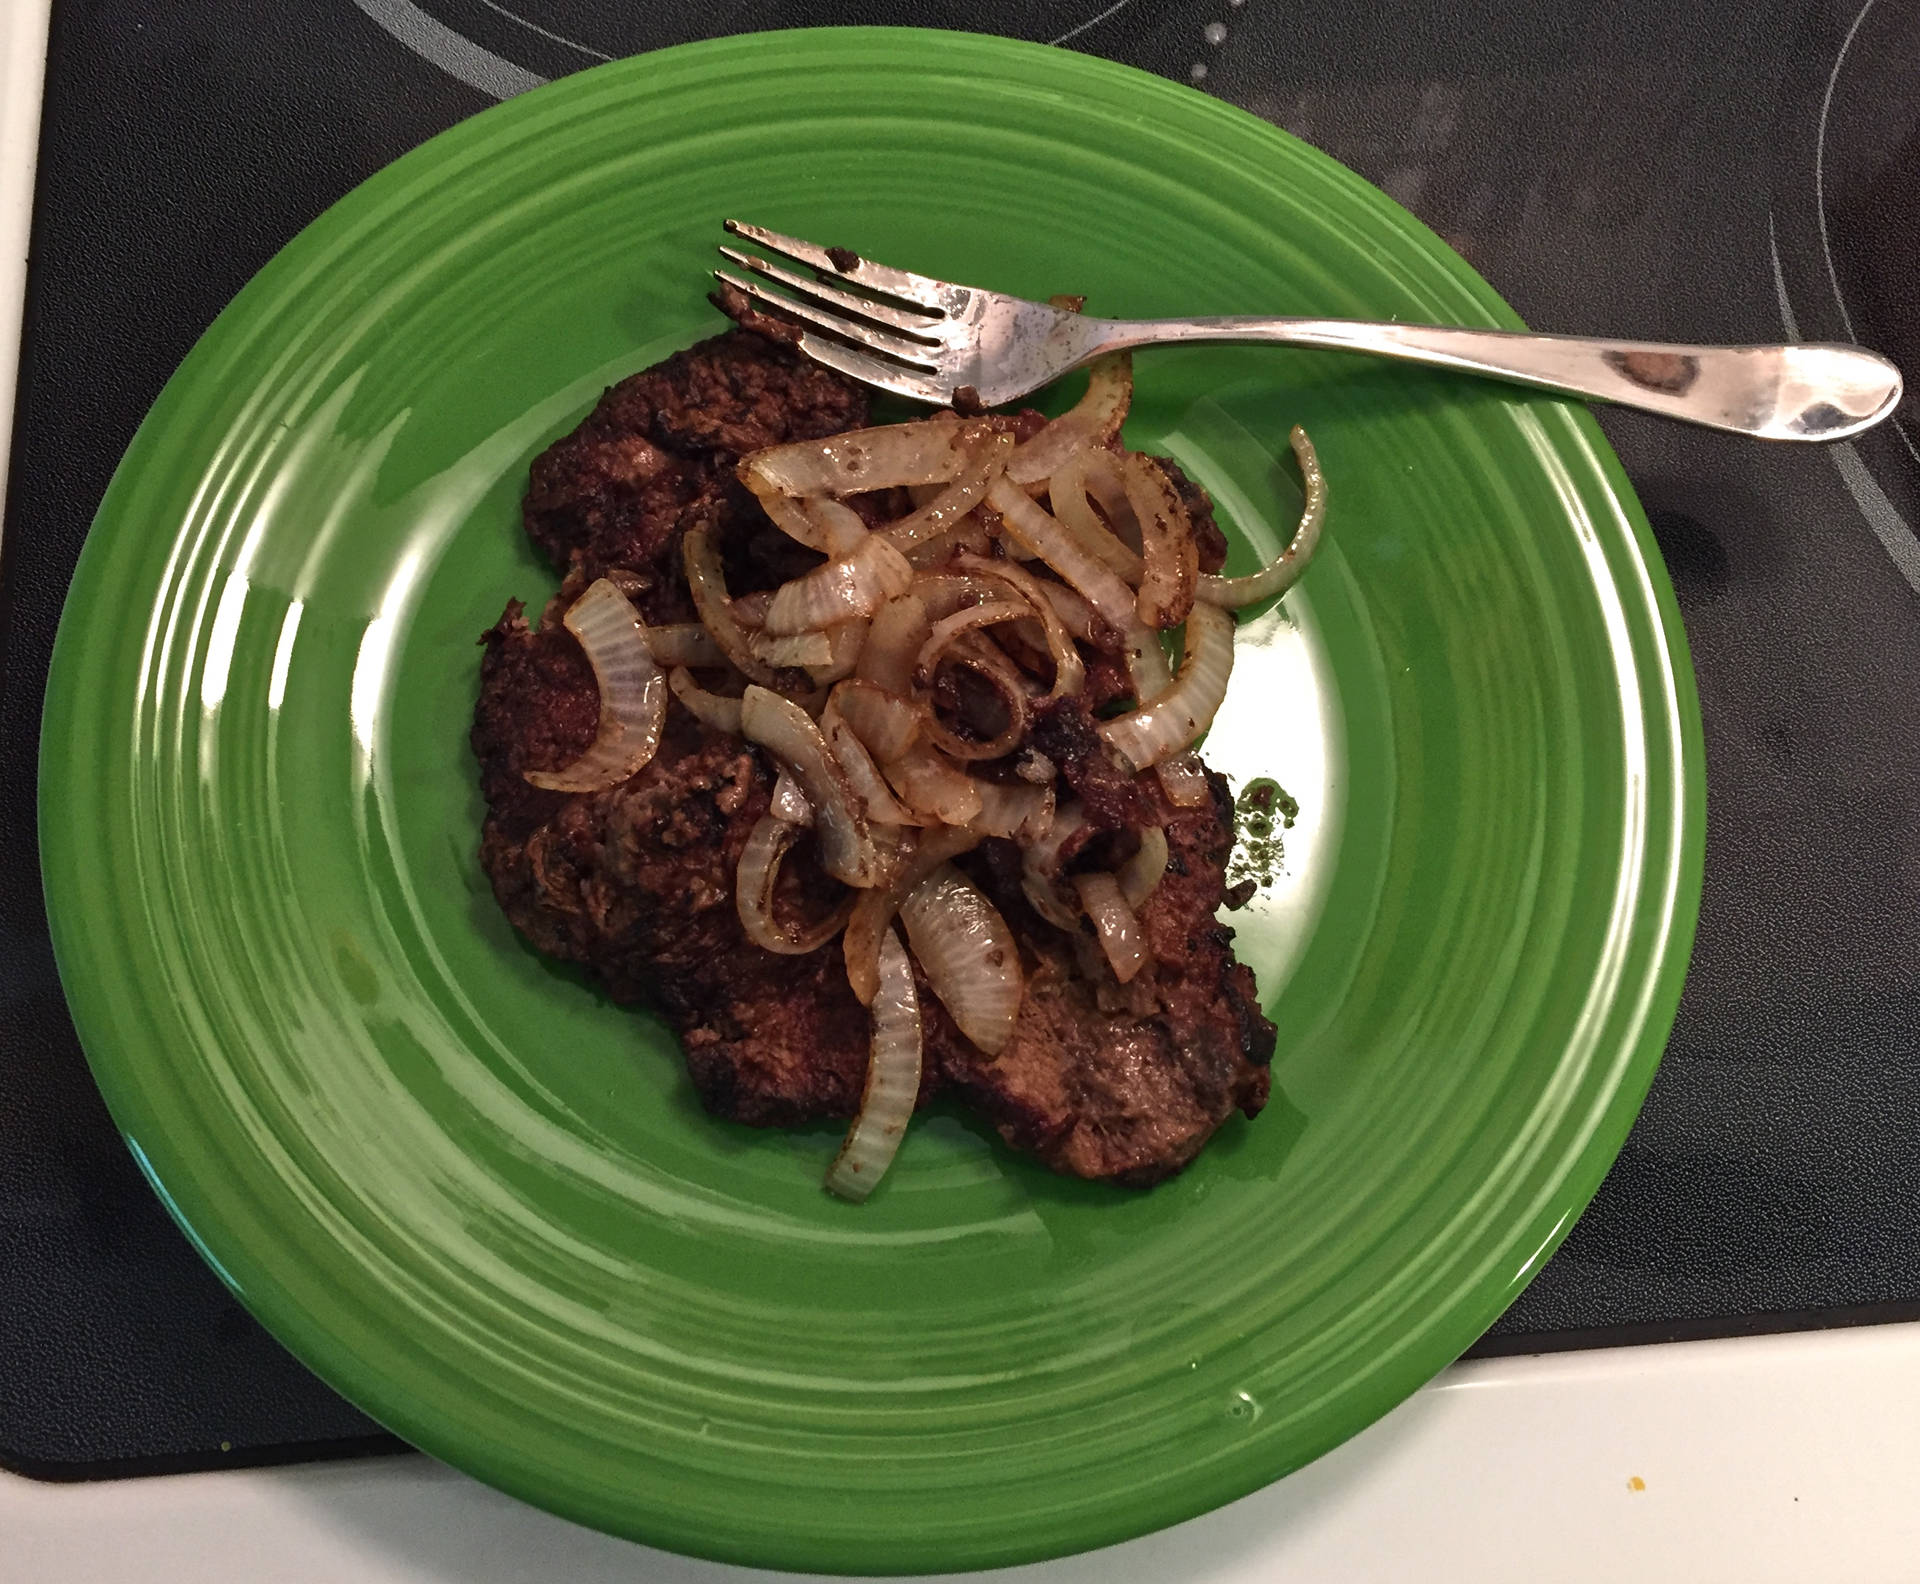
(844, 260)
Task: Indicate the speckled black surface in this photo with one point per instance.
(1636, 168)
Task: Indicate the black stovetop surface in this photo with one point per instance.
(1666, 168)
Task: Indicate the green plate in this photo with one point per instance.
(481, 1200)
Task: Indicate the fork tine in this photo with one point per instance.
(916, 353)
(871, 371)
(821, 292)
(904, 284)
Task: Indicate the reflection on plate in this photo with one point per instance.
(480, 1199)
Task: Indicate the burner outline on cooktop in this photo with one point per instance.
(472, 63)
(1804, 174)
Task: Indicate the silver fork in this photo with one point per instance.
(939, 342)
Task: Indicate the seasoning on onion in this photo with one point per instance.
(791, 649)
(1021, 812)
(863, 775)
(1171, 721)
(856, 584)
(784, 729)
(1170, 561)
(755, 879)
(980, 655)
(893, 1079)
(967, 534)
(986, 461)
(1048, 853)
(945, 630)
(1045, 898)
(1280, 574)
(898, 629)
(818, 523)
(1069, 670)
(932, 451)
(1068, 493)
(887, 723)
(633, 694)
(929, 785)
(1110, 598)
(969, 955)
(919, 855)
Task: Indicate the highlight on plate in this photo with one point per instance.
(858, 752)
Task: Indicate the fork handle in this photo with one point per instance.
(1810, 392)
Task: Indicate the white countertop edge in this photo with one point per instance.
(1788, 1458)
(23, 61)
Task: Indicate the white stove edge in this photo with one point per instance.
(23, 60)
(1770, 1458)
(1784, 1458)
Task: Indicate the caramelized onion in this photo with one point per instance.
(967, 534)
(932, 787)
(791, 649)
(844, 644)
(753, 894)
(1094, 420)
(969, 955)
(857, 584)
(789, 802)
(899, 628)
(1069, 670)
(980, 655)
(893, 1079)
(1141, 874)
(863, 775)
(1075, 614)
(887, 723)
(1068, 833)
(948, 628)
(1171, 558)
(779, 725)
(710, 709)
(927, 451)
(987, 457)
(1110, 598)
(873, 910)
(1020, 812)
(947, 591)
(1067, 491)
(818, 523)
(750, 610)
(1044, 897)
(1170, 722)
(1281, 573)
(684, 644)
(707, 582)
(1184, 779)
(633, 694)
(1119, 932)
(1032, 526)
